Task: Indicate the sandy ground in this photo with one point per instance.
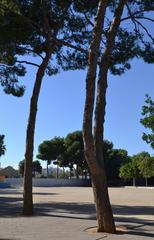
(66, 212)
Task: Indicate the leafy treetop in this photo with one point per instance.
(148, 120)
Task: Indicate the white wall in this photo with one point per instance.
(48, 182)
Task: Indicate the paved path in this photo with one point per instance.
(65, 212)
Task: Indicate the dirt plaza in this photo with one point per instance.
(69, 213)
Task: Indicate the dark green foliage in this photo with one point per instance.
(114, 159)
(9, 69)
(69, 152)
(36, 167)
(74, 152)
(139, 165)
(2, 145)
(50, 150)
(22, 34)
(148, 120)
(145, 164)
(130, 169)
(21, 167)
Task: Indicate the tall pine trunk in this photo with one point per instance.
(93, 144)
(97, 176)
(105, 208)
(27, 196)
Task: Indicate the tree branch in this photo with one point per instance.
(135, 21)
(30, 50)
(80, 49)
(88, 20)
(28, 63)
(145, 18)
(145, 29)
(134, 15)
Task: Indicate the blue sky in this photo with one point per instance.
(60, 110)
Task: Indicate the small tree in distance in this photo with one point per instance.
(148, 120)
(130, 171)
(140, 165)
(2, 145)
(146, 165)
(36, 167)
(49, 150)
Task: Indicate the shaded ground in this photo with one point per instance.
(65, 212)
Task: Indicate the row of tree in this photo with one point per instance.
(68, 152)
(140, 165)
(72, 35)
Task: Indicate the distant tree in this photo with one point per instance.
(114, 159)
(145, 165)
(74, 153)
(50, 150)
(148, 120)
(2, 145)
(130, 170)
(36, 168)
(21, 167)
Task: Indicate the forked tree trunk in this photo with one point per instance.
(93, 145)
(107, 219)
(27, 196)
(102, 202)
(97, 176)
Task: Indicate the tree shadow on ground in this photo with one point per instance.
(45, 193)
(86, 211)
(66, 210)
(11, 206)
(9, 239)
(136, 226)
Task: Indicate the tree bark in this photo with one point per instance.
(93, 144)
(90, 153)
(27, 196)
(106, 222)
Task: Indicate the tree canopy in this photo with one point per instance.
(2, 145)
(49, 150)
(140, 165)
(36, 168)
(148, 120)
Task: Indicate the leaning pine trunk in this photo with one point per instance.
(102, 202)
(93, 145)
(103, 208)
(105, 219)
(27, 196)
